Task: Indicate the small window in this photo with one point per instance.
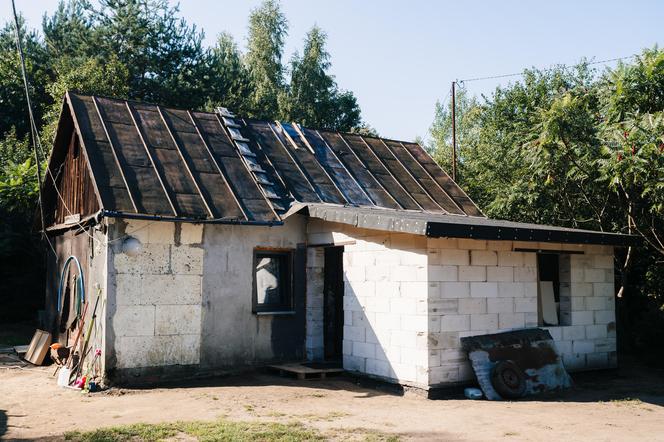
(554, 301)
(272, 282)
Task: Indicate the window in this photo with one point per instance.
(553, 291)
(272, 282)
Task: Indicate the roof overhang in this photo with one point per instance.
(452, 226)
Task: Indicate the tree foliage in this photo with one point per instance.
(580, 148)
(144, 50)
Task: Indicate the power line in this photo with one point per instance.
(519, 74)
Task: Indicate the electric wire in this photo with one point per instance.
(563, 66)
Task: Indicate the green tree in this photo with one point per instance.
(229, 84)
(13, 107)
(268, 28)
(313, 97)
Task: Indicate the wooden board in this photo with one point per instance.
(304, 372)
(549, 313)
(38, 347)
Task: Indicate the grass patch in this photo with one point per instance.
(221, 430)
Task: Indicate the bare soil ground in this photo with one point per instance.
(620, 405)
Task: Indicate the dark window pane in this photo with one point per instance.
(272, 281)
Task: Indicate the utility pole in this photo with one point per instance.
(454, 148)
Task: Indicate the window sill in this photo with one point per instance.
(278, 312)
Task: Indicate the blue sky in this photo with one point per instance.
(399, 57)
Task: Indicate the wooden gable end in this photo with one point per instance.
(69, 192)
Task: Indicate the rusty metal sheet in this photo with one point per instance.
(532, 351)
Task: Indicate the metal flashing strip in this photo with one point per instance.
(438, 225)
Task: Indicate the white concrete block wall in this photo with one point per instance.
(495, 289)
(155, 313)
(315, 346)
(386, 308)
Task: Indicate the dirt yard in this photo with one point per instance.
(627, 405)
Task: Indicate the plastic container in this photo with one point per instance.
(473, 393)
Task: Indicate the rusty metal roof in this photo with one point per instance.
(150, 160)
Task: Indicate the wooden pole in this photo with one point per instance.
(454, 148)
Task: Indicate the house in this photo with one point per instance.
(216, 243)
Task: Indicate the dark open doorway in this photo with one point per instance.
(333, 303)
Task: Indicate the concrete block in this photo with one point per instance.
(530, 259)
(451, 323)
(581, 289)
(442, 273)
(603, 289)
(134, 320)
(574, 332)
(500, 305)
(363, 289)
(191, 233)
(414, 323)
(599, 302)
(484, 322)
(378, 304)
(525, 305)
(603, 261)
(452, 356)
(406, 241)
(483, 289)
(354, 363)
(582, 318)
(161, 232)
(510, 259)
(452, 257)
(351, 301)
(472, 306)
(414, 356)
(377, 273)
(408, 273)
(596, 331)
(483, 258)
(404, 372)
(512, 289)
(387, 289)
(444, 374)
(378, 368)
(186, 260)
(443, 340)
(403, 338)
(154, 259)
(577, 303)
(501, 274)
(472, 244)
(364, 350)
(178, 320)
(499, 246)
(387, 321)
(355, 334)
(605, 316)
(442, 243)
(353, 273)
(531, 319)
(525, 274)
(137, 289)
(442, 307)
(454, 289)
(472, 273)
(384, 258)
(583, 346)
(190, 353)
(530, 289)
(413, 258)
(404, 306)
(511, 320)
(594, 275)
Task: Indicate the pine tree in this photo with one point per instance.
(267, 29)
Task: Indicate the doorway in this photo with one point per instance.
(333, 303)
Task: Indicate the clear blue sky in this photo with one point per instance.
(399, 57)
